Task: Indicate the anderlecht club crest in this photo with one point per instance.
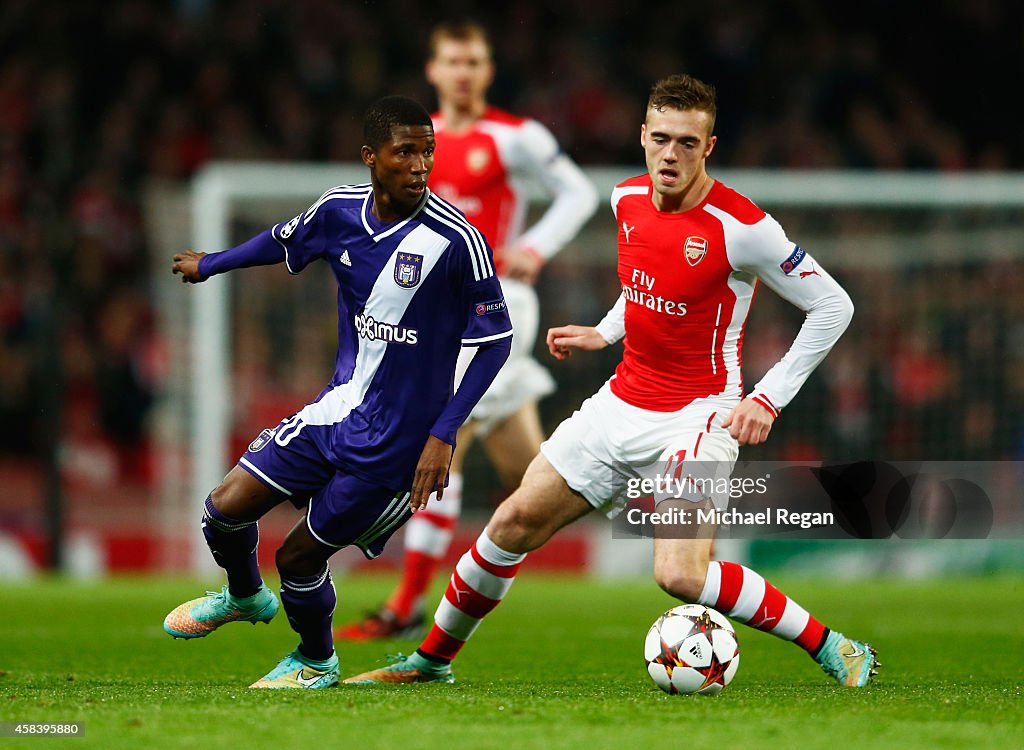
(408, 268)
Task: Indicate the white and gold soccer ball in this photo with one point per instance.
(692, 649)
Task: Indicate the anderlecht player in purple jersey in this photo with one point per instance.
(416, 284)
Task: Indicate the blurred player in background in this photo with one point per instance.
(691, 252)
(484, 158)
(412, 276)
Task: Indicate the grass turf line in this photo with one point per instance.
(559, 664)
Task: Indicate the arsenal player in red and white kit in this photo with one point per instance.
(485, 161)
(688, 281)
(691, 253)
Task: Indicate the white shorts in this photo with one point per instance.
(522, 379)
(608, 446)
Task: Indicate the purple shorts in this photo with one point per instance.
(341, 508)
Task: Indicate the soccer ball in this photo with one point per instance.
(692, 649)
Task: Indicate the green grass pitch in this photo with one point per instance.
(558, 665)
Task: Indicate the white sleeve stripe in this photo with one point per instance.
(478, 238)
(273, 233)
(480, 268)
(495, 337)
(343, 191)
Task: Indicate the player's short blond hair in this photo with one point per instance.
(458, 31)
(683, 91)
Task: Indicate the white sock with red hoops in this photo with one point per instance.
(744, 595)
(479, 583)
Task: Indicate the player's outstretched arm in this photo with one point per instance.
(187, 264)
(261, 250)
(563, 339)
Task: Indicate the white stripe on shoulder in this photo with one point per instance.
(342, 191)
(480, 244)
(455, 215)
(620, 191)
(336, 188)
(481, 270)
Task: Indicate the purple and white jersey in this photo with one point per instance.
(410, 295)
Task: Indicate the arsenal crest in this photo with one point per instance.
(408, 268)
(477, 160)
(695, 249)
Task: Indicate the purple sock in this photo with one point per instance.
(233, 544)
(309, 603)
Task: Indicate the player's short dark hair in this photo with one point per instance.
(390, 112)
(682, 91)
(464, 30)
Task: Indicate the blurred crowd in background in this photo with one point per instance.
(97, 100)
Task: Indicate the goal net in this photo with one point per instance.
(932, 367)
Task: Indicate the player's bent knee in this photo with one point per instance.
(682, 584)
(242, 497)
(228, 499)
(300, 555)
(285, 560)
(292, 561)
(230, 491)
(516, 528)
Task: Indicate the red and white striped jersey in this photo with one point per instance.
(484, 170)
(688, 281)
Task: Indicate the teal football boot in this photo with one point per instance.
(850, 663)
(296, 671)
(405, 670)
(200, 617)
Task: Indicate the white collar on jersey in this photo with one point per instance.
(365, 214)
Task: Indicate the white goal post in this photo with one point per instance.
(219, 188)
